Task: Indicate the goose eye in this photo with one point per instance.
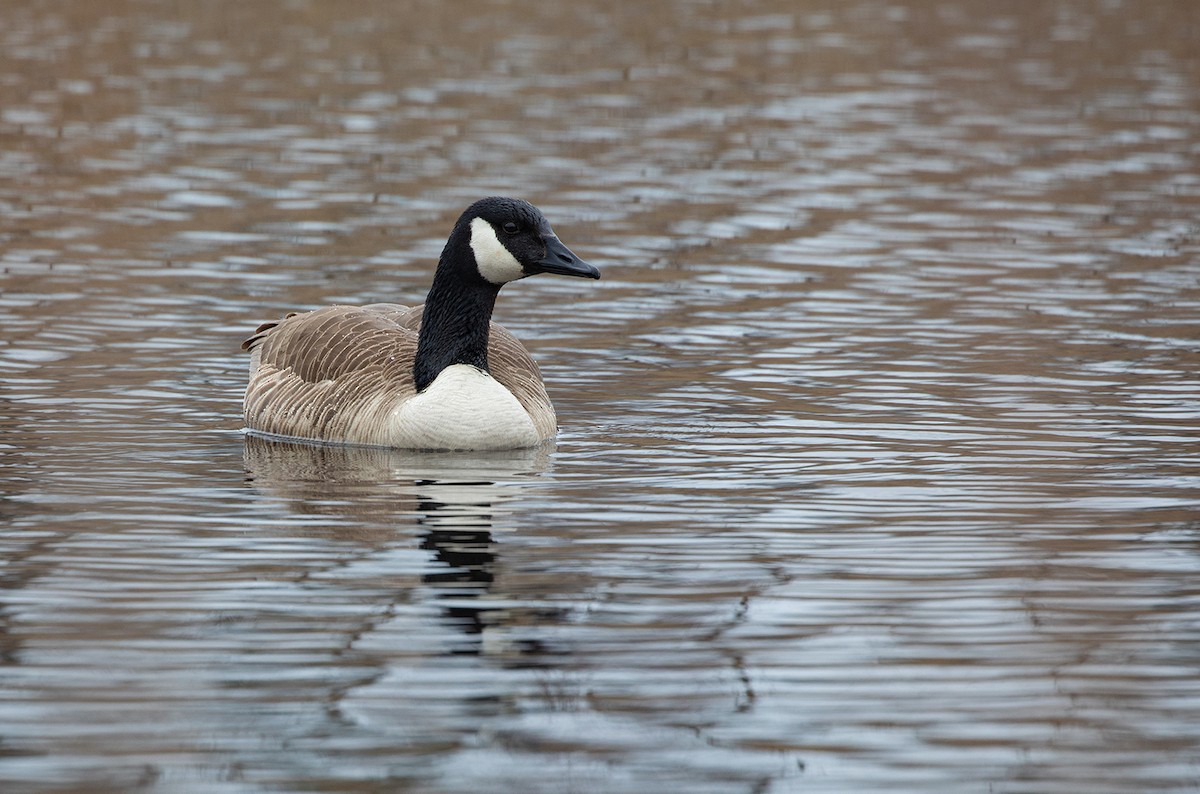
(511, 228)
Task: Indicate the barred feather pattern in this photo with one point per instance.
(341, 373)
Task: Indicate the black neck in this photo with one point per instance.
(458, 309)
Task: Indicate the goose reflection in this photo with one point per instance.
(458, 519)
(455, 499)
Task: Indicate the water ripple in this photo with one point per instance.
(877, 467)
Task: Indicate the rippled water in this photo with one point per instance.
(879, 464)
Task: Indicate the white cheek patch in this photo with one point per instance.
(494, 261)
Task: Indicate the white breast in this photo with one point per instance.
(464, 408)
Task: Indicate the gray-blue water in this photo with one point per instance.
(879, 462)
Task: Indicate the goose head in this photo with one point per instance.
(510, 239)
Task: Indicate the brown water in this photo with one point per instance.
(879, 464)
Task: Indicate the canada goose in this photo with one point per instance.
(438, 376)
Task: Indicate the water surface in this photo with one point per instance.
(878, 466)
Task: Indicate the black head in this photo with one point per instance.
(511, 239)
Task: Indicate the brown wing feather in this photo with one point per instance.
(333, 374)
(338, 373)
